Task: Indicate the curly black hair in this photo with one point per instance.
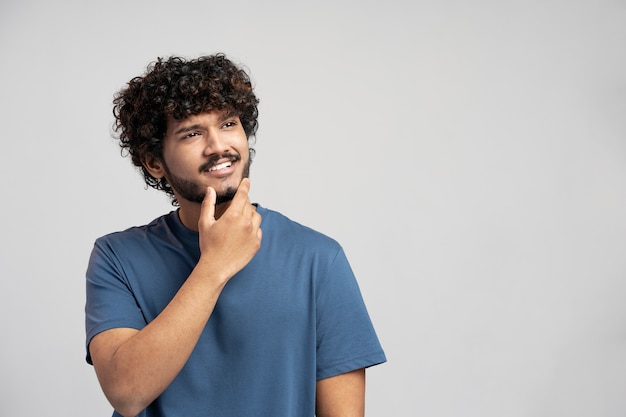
(179, 88)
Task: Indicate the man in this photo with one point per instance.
(222, 307)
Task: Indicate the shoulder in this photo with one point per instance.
(154, 247)
(278, 226)
(298, 245)
(138, 236)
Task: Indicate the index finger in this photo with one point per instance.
(207, 209)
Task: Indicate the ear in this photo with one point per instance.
(154, 166)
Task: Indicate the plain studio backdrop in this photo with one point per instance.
(470, 156)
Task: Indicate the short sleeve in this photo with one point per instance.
(346, 339)
(110, 302)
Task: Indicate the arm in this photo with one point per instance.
(342, 395)
(135, 366)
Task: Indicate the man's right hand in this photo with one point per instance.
(230, 242)
(135, 366)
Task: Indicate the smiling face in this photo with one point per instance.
(208, 149)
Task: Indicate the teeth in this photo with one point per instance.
(220, 166)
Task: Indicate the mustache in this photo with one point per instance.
(215, 158)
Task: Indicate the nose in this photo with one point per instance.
(215, 143)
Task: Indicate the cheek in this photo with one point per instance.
(245, 154)
(181, 160)
(245, 148)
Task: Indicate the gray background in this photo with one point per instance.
(469, 155)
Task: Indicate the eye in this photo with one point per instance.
(229, 123)
(190, 135)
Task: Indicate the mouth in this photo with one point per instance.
(220, 164)
(218, 167)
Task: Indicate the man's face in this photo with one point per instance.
(208, 149)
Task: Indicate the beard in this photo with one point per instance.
(195, 192)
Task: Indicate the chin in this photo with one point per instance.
(225, 196)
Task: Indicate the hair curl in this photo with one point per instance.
(179, 88)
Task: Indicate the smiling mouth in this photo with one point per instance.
(217, 163)
(220, 166)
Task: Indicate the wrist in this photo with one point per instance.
(211, 270)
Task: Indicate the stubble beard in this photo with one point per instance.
(193, 191)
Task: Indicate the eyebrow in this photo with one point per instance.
(187, 129)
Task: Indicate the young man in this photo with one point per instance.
(222, 307)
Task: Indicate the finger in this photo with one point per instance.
(207, 210)
(256, 218)
(241, 200)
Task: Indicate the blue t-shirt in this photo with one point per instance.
(292, 316)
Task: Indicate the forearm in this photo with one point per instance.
(136, 368)
(342, 395)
